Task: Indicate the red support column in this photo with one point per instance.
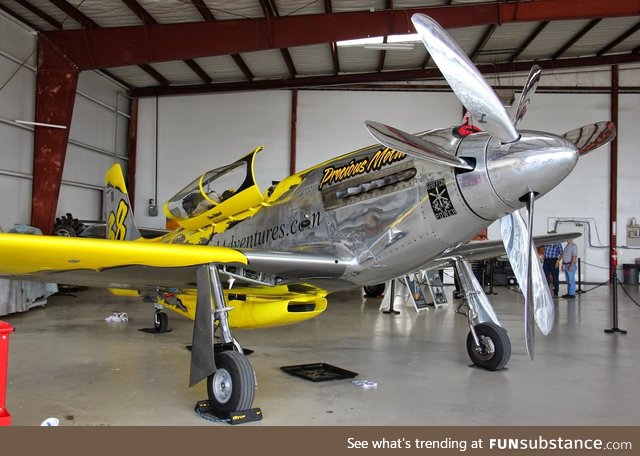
(133, 152)
(5, 330)
(294, 131)
(56, 82)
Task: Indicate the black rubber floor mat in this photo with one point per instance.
(319, 372)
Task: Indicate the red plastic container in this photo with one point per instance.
(5, 330)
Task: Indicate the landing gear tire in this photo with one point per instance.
(64, 230)
(232, 386)
(373, 291)
(495, 347)
(161, 322)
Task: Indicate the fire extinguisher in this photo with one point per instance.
(614, 257)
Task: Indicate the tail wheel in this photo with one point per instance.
(494, 350)
(232, 386)
(161, 322)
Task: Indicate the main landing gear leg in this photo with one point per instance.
(488, 344)
(160, 320)
(231, 381)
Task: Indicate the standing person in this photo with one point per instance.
(551, 264)
(569, 259)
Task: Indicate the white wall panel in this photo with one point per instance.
(16, 39)
(94, 124)
(101, 88)
(628, 172)
(85, 166)
(16, 148)
(16, 191)
(16, 102)
(199, 133)
(83, 203)
(146, 164)
(331, 123)
(16, 99)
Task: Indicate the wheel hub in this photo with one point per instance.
(222, 385)
(486, 349)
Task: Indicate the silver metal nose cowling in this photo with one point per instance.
(536, 163)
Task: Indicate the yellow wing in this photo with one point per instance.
(108, 263)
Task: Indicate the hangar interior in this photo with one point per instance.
(147, 92)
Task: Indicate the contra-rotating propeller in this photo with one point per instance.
(489, 114)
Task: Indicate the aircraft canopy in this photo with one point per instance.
(216, 194)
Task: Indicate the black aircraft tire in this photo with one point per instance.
(232, 386)
(373, 291)
(494, 338)
(161, 322)
(64, 230)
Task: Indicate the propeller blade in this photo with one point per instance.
(529, 330)
(590, 137)
(413, 145)
(465, 80)
(514, 237)
(527, 92)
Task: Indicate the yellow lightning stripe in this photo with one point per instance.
(23, 254)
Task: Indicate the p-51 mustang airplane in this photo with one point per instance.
(242, 258)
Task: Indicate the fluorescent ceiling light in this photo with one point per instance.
(389, 46)
(40, 124)
(375, 40)
(411, 38)
(361, 41)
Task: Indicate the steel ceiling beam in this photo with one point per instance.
(41, 14)
(17, 16)
(382, 56)
(118, 46)
(328, 9)
(197, 69)
(619, 39)
(155, 74)
(345, 79)
(237, 58)
(483, 41)
(270, 10)
(383, 53)
(137, 9)
(208, 16)
(575, 38)
(75, 14)
(529, 40)
(204, 10)
(147, 19)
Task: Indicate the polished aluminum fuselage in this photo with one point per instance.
(387, 220)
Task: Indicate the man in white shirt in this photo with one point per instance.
(569, 260)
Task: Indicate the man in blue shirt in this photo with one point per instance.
(551, 265)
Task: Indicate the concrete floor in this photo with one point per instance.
(65, 361)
